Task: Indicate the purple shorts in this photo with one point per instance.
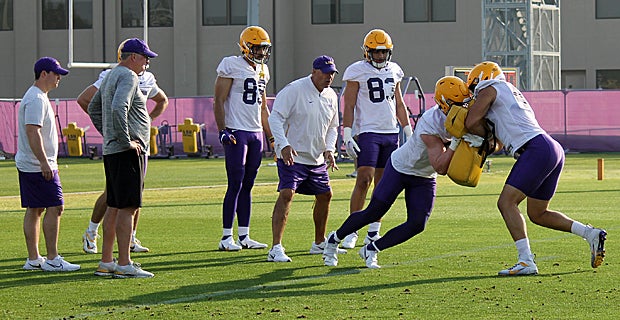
(304, 179)
(375, 148)
(36, 192)
(538, 168)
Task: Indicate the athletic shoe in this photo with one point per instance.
(229, 245)
(522, 268)
(352, 174)
(106, 269)
(132, 270)
(368, 239)
(276, 254)
(34, 264)
(248, 243)
(136, 246)
(319, 248)
(596, 238)
(349, 241)
(59, 264)
(330, 252)
(370, 257)
(89, 241)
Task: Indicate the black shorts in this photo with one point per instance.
(124, 173)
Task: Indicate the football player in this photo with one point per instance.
(412, 168)
(373, 109)
(241, 115)
(536, 172)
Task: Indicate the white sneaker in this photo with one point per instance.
(276, 254)
(330, 252)
(106, 269)
(136, 246)
(229, 245)
(34, 264)
(349, 241)
(132, 270)
(89, 241)
(248, 243)
(522, 268)
(368, 239)
(370, 257)
(319, 248)
(59, 264)
(596, 238)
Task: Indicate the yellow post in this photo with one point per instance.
(189, 129)
(601, 169)
(153, 141)
(74, 139)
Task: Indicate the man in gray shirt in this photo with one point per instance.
(118, 111)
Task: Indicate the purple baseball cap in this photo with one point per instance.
(135, 45)
(325, 63)
(49, 64)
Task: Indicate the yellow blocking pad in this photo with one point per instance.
(455, 121)
(466, 165)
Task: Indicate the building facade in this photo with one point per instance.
(192, 36)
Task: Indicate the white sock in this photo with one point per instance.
(133, 234)
(243, 231)
(523, 247)
(227, 232)
(93, 227)
(374, 227)
(579, 229)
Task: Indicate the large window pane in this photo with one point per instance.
(323, 11)
(132, 13)
(351, 11)
(55, 13)
(214, 12)
(443, 10)
(161, 13)
(6, 14)
(238, 12)
(607, 9)
(416, 11)
(82, 14)
(608, 79)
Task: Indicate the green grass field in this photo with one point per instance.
(446, 272)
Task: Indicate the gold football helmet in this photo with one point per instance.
(450, 90)
(377, 39)
(255, 44)
(483, 71)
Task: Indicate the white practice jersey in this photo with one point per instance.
(306, 120)
(513, 117)
(242, 109)
(36, 109)
(375, 110)
(412, 157)
(148, 83)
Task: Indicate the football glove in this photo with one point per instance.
(227, 137)
(350, 144)
(473, 140)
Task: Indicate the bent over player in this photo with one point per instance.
(412, 168)
(536, 172)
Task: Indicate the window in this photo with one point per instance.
(607, 9)
(6, 15)
(608, 79)
(55, 13)
(161, 13)
(430, 10)
(224, 12)
(337, 11)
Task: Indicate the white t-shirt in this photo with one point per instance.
(375, 109)
(242, 108)
(513, 117)
(306, 120)
(147, 83)
(412, 157)
(36, 109)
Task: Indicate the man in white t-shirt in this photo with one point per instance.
(36, 160)
(373, 109)
(148, 86)
(304, 123)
